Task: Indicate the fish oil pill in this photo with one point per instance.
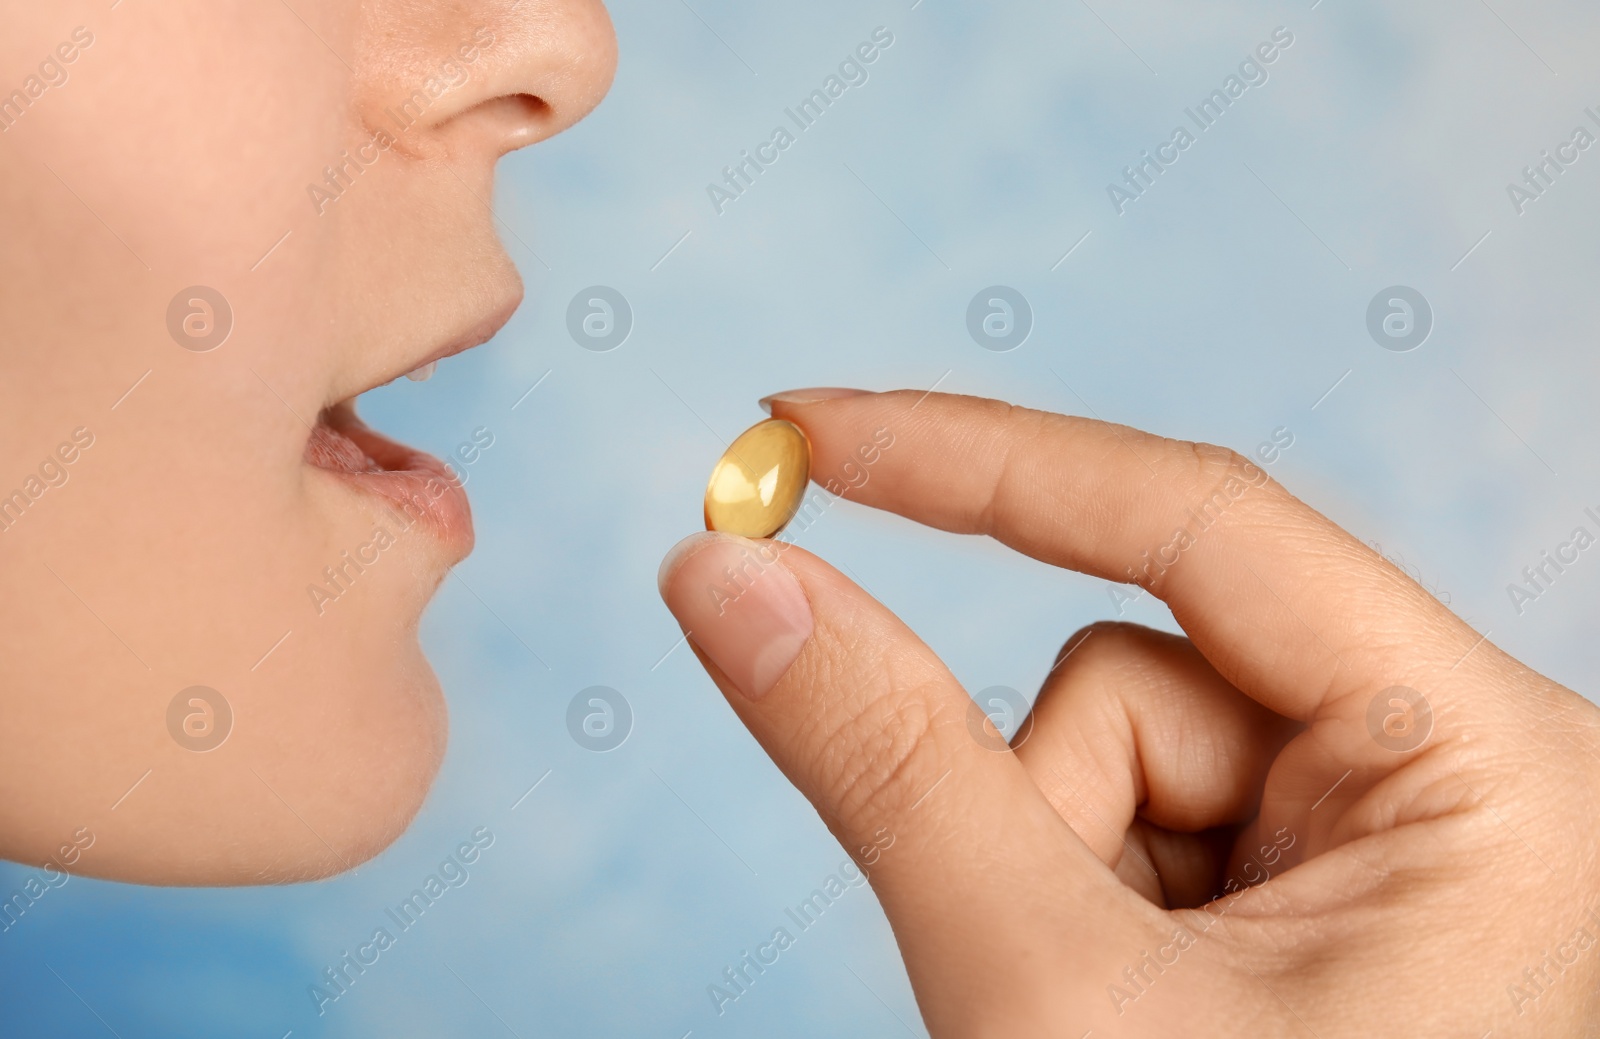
(758, 482)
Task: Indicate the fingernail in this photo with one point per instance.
(739, 604)
(810, 396)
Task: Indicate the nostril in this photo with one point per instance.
(511, 120)
(526, 106)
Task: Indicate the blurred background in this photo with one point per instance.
(1338, 261)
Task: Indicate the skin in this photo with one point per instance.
(1383, 891)
(1206, 835)
(178, 150)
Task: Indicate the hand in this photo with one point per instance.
(1333, 810)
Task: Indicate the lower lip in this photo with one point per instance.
(418, 485)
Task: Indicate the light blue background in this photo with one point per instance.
(1222, 305)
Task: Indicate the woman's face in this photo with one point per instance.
(223, 220)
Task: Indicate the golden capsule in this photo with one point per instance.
(758, 482)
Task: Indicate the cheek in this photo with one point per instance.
(180, 164)
(208, 121)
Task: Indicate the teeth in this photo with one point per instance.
(424, 373)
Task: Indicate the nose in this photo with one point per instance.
(481, 78)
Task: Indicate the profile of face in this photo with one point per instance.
(223, 220)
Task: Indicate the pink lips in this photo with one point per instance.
(419, 485)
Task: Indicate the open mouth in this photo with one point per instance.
(417, 486)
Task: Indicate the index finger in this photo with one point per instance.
(1283, 602)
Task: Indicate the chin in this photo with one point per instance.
(317, 778)
(364, 773)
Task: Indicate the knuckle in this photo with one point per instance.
(1105, 645)
(1024, 430)
(879, 759)
(1213, 464)
(1220, 482)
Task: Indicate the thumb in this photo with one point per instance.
(874, 730)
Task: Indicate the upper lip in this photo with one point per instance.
(477, 334)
